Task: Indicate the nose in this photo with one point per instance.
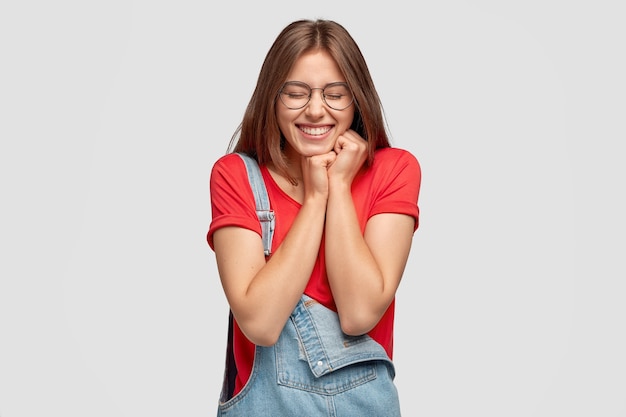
(316, 103)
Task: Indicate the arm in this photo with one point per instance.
(364, 269)
(263, 294)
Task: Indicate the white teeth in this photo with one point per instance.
(315, 130)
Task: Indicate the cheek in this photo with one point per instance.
(283, 122)
(347, 119)
(284, 118)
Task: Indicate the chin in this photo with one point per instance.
(312, 150)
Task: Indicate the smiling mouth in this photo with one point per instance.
(315, 131)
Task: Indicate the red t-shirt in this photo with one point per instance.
(390, 185)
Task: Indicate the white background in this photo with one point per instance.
(112, 114)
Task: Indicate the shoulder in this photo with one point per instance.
(232, 200)
(228, 162)
(229, 167)
(392, 155)
(394, 160)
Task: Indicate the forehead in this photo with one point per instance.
(316, 68)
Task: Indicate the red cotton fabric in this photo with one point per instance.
(390, 185)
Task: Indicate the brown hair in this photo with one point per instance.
(259, 136)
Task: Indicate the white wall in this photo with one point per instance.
(112, 113)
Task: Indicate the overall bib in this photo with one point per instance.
(316, 370)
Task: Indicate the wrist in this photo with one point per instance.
(339, 185)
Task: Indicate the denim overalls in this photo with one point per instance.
(314, 369)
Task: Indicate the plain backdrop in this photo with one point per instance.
(113, 112)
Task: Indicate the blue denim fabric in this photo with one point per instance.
(316, 370)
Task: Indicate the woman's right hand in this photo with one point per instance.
(315, 173)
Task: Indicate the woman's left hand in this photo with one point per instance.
(351, 150)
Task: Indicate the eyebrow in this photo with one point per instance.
(330, 83)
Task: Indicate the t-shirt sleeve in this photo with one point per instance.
(399, 179)
(232, 201)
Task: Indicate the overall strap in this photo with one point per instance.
(263, 211)
(266, 218)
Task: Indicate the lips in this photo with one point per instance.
(315, 130)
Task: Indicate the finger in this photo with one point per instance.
(342, 142)
(330, 158)
(338, 145)
(323, 160)
(346, 142)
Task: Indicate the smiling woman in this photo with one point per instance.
(345, 208)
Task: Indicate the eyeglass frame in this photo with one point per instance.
(280, 91)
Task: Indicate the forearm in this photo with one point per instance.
(274, 291)
(355, 278)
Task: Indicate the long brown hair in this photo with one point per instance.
(259, 135)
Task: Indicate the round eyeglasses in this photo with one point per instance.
(295, 95)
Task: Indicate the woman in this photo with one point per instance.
(313, 321)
